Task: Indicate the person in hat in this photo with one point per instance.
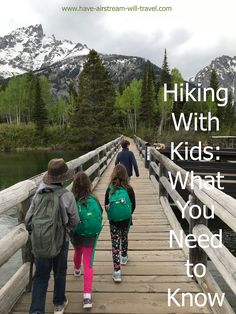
(50, 220)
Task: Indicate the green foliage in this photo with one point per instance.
(214, 81)
(14, 136)
(96, 99)
(228, 116)
(148, 98)
(165, 72)
(72, 101)
(215, 85)
(14, 100)
(164, 109)
(25, 136)
(177, 79)
(97, 112)
(128, 104)
(46, 95)
(121, 86)
(40, 114)
(17, 99)
(148, 134)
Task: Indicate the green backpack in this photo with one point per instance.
(90, 218)
(120, 206)
(48, 231)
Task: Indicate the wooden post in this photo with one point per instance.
(162, 173)
(109, 152)
(96, 160)
(105, 155)
(196, 255)
(151, 171)
(80, 168)
(147, 155)
(27, 255)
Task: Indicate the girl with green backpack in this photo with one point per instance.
(120, 205)
(86, 233)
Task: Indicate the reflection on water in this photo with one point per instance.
(18, 166)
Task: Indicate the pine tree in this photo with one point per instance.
(215, 85)
(40, 112)
(214, 81)
(72, 101)
(121, 86)
(177, 79)
(165, 72)
(31, 84)
(143, 116)
(148, 96)
(229, 115)
(95, 106)
(72, 92)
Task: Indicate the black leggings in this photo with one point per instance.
(119, 240)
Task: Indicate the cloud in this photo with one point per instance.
(194, 33)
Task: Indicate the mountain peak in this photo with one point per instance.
(28, 48)
(21, 32)
(61, 61)
(225, 67)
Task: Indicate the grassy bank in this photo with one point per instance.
(25, 136)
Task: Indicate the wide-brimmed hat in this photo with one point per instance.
(58, 172)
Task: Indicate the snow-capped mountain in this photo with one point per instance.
(28, 49)
(225, 67)
(61, 62)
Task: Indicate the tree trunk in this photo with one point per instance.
(161, 125)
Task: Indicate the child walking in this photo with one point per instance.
(127, 159)
(120, 205)
(86, 233)
(51, 218)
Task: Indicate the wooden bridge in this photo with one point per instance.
(153, 266)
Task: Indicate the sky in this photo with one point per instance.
(194, 33)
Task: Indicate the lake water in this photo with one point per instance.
(18, 166)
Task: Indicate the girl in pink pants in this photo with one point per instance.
(86, 252)
(86, 233)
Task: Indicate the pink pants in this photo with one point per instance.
(88, 271)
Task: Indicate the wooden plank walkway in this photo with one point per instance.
(152, 268)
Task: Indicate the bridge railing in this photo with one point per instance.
(201, 194)
(18, 196)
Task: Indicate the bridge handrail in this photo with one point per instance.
(224, 205)
(224, 208)
(19, 196)
(20, 191)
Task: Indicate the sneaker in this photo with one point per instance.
(87, 303)
(124, 260)
(59, 309)
(116, 276)
(77, 272)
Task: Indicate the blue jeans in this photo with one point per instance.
(42, 275)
